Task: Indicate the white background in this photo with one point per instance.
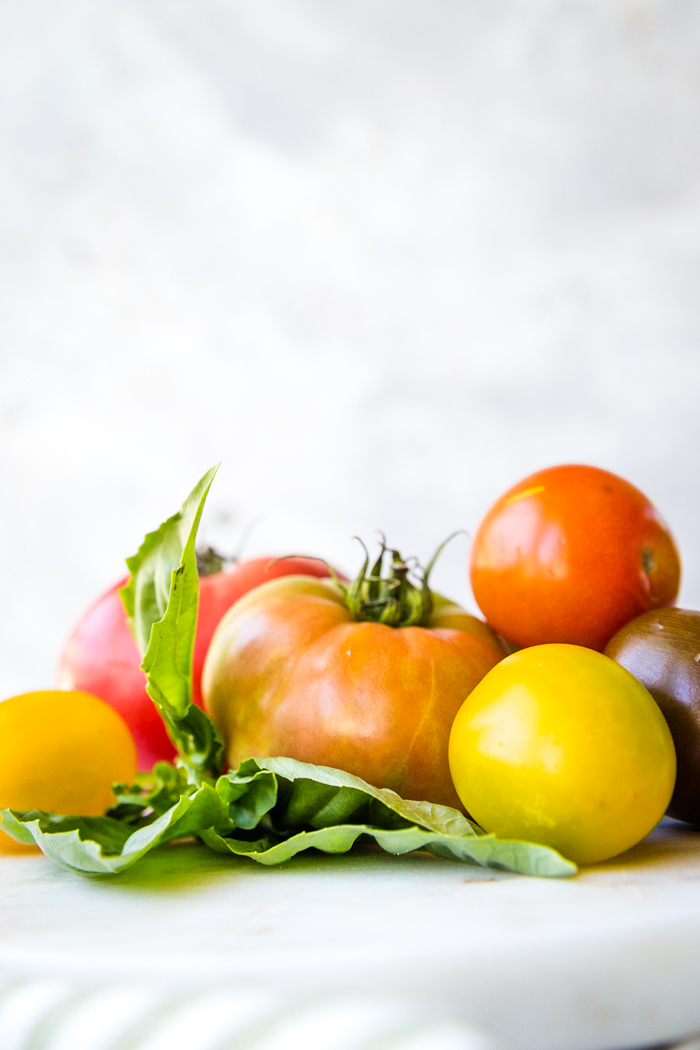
(382, 258)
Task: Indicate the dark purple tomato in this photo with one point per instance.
(661, 648)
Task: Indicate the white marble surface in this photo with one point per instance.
(380, 258)
(64, 1013)
(607, 960)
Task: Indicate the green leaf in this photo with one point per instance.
(105, 846)
(270, 810)
(524, 858)
(153, 793)
(15, 828)
(147, 593)
(329, 810)
(161, 600)
(339, 791)
(249, 796)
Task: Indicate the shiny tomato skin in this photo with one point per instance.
(101, 656)
(290, 672)
(570, 554)
(661, 649)
(218, 593)
(61, 752)
(560, 745)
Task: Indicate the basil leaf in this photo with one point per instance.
(161, 600)
(270, 810)
(306, 806)
(147, 592)
(105, 846)
(381, 804)
(152, 795)
(523, 858)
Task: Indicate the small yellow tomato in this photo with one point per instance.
(560, 745)
(61, 751)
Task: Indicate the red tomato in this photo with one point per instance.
(571, 554)
(101, 656)
(290, 671)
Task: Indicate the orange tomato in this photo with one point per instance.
(61, 752)
(571, 554)
(291, 672)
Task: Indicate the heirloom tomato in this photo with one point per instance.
(366, 677)
(662, 650)
(61, 752)
(571, 554)
(101, 656)
(561, 745)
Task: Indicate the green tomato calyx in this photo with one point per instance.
(391, 597)
(210, 562)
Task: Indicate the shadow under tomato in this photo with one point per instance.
(670, 840)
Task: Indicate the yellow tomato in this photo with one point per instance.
(560, 745)
(61, 752)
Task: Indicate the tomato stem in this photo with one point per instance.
(391, 598)
(210, 562)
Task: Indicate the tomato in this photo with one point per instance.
(560, 745)
(101, 656)
(571, 554)
(292, 671)
(61, 752)
(662, 650)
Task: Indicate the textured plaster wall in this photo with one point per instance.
(380, 258)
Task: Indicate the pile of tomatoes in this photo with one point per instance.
(544, 722)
